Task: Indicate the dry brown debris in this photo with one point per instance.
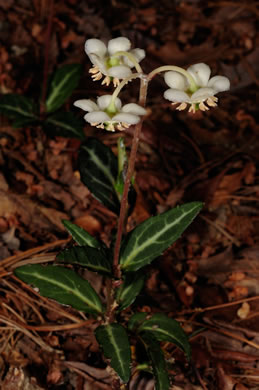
(209, 278)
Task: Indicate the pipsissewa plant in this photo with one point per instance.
(109, 178)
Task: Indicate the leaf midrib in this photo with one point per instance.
(19, 110)
(81, 234)
(98, 266)
(159, 330)
(75, 292)
(98, 162)
(62, 124)
(151, 240)
(114, 343)
(57, 88)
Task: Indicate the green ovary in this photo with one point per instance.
(111, 110)
(190, 91)
(112, 61)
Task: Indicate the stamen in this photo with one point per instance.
(192, 108)
(125, 125)
(106, 81)
(110, 126)
(202, 107)
(120, 127)
(212, 102)
(116, 82)
(100, 126)
(94, 69)
(182, 106)
(97, 76)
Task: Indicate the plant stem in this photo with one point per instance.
(130, 171)
(46, 56)
(120, 86)
(109, 295)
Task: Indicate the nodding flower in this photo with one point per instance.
(201, 95)
(113, 61)
(109, 115)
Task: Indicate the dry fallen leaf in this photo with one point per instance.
(244, 310)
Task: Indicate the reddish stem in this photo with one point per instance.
(130, 171)
(46, 56)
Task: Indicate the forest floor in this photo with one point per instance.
(209, 279)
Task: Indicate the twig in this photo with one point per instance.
(216, 307)
(12, 325)
(20, 256)
(221, 230)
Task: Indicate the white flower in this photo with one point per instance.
(110, 117)
(105, 62)
(205, 92)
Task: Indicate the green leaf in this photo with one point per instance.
(122, 165)
(81, 236)
(136, 320)
(156, 356)
(22, 121)
(149, 239)
(122, 155)
(62, 84)
(18, 107)
(98, 170)
(131, 287)
(63, 285)
(164, 328)
(64, 124)
(114, 341)
(91, 258)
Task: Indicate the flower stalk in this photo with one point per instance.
(120, 86)
(130, 172)
(193, 86)
(131, 57)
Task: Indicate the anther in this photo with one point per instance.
(182, 106)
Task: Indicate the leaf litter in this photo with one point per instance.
(209, 278)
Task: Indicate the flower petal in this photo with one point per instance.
(139, 54)
(118, 44)
(119, 71)
(95, 46)
(176, 95)
(219, 83)
(99, 62)
(201, 73)
(97, 117)
(202, 94)
(127, 118)
(104, 101)
(175, 80)
(86, 105)
(133, 108)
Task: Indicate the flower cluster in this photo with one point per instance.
(108, 115)
(204, 90)
(114, 61)
(192, 87)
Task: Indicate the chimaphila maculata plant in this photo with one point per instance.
(109, 178)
